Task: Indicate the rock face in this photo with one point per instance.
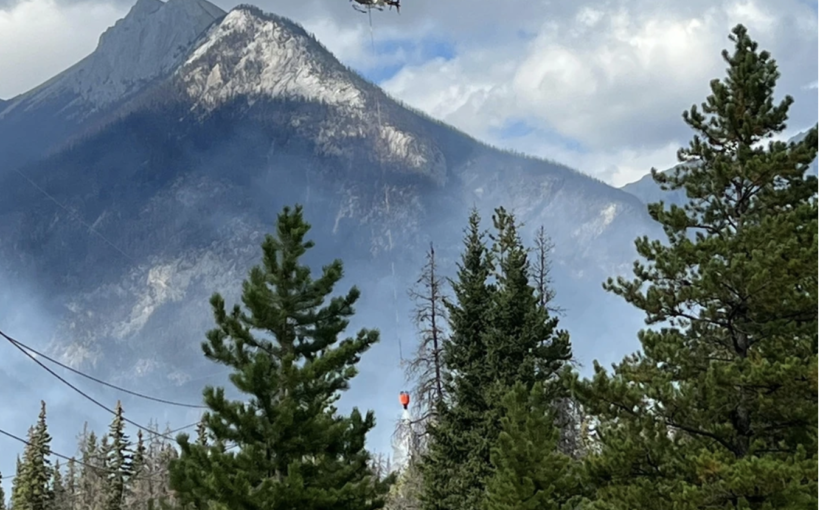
(143, 179)
(143, 47)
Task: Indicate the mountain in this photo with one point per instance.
(142, 179)
(138, 50)
(648, 191)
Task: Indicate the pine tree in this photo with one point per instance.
(32, 487)
(118, 462)
(61, 501)
(294, 449)
(19, 479)
(140, 472)
(71, 483)
(501, 335)
(452, 469)
(524, 344)
(529, 472)
(91, 480)
(2, 494)
(719, 410)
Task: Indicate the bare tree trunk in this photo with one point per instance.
(425, 369)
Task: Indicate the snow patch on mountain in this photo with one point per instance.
(248, 55)
(253, 54)
(149, 42)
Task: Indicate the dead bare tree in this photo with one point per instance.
(541, 268)
(569, 415)
(424, 369)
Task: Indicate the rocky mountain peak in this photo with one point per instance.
(254, 54)
(149, 42)
(250, 52)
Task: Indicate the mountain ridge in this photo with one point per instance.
(153, 203)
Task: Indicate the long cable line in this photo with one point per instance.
(90, 398)
(99, 381)
(66, 457)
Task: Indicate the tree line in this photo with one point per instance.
(718, 410)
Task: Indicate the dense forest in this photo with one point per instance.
(718, 410)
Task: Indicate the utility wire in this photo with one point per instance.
(81, 392)
(140, 395)
(66, 457)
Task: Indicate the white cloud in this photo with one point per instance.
(613, 76)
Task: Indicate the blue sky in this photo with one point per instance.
(424, 50)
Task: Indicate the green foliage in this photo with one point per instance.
(523, 343)
(2, 494)
(719, 410)
(529, 473)
(118, 461)
(501, 336)
(32, 485)
(453, 469)
(294, 449)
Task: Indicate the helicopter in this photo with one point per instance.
(376, 4)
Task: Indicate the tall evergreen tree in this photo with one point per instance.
(523, 344)
(19, 479)
(71, 483)
(294, 449)
(2, 494)
(719, 410)
(32, 488)
(529, 471)
(119, 462)
(61, 501)
(501, 335)
(451, 468)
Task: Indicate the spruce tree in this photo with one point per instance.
(2, 494)
(91, 480)
(61, 501)
(292, 449)
(719, 409)
(524, 343)
(501, 335)
(119, 460)
(19, 479)
(453, 469)
(71, 483)
(529, 473)
(32, 488)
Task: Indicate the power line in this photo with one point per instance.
(66, 457)
(81, 392)
(140, 395)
